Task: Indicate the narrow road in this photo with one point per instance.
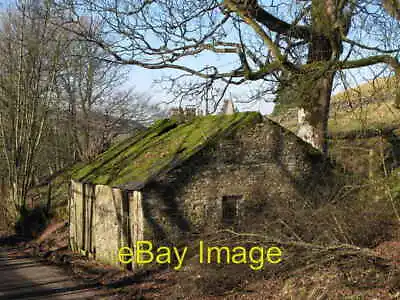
(27, 278)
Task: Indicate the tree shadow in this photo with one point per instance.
(393, 159)
(32, 222)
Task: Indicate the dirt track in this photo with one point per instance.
(25, 278)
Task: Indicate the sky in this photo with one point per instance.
(142, 80)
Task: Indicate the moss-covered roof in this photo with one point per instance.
(133, 162)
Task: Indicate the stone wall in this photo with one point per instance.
(76, 216)
(104, 219)
(258, 163)
(110, 223)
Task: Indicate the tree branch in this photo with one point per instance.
(368, 61)
(362, 46)
(253, 10)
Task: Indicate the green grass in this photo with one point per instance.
(371, 116)
(379, 87)
(368, 116)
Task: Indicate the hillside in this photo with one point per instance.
(364, 127)
(365, 107)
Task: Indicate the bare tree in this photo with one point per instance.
(85, 87)
(29, 62)
(60, 101)
(309, 41)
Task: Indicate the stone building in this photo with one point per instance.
(180, 178)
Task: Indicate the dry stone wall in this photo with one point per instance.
(104, 219)
(254, 165)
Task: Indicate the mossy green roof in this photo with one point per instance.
(168, 143)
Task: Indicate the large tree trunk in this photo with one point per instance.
(392, 7)
(316, 86)
(313, 113)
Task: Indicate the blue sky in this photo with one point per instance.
(142, 79)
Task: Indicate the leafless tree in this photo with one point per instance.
(85, 86)
(29, 62)
(60, 101)
(308, 41)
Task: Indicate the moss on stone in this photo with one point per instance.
(163, 146)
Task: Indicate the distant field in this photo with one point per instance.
(376, 115)
(365, 107)
(377, 88)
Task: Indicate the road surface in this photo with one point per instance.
(26, 278)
